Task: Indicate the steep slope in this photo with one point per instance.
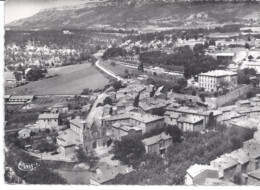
(137, 14)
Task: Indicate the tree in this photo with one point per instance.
(202, 97)
(111, 111)
(35, 74)
(206, 44)
(211, 121)
(136, 101)
(247, 46)
(198, 49)
(117, 85)
(175, 133)
(249, 94)
(85, 91)
(250, 57)
(212, 42)
(86, 157)
(129, 151)
(108, 101)
(17, 75)
(113, 63)
(152, 92)
(141, 67)
(126, 71)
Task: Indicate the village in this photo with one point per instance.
(137, 109)
(164, 99)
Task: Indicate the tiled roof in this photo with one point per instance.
(107, 172)
(197, 169)
(146, 118)
(69, 138)
(224, 162)
(240, 155)
(255, 174)
(156, 139)
(48, 116)
(191, 119)
(21, 97)
(218, 73)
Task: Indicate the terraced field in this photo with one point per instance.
(70, 80)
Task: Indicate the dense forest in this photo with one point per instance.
(53, 48)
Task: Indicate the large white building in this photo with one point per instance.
(213, 80)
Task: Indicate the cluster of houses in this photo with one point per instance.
(122, 119)
(244, 161)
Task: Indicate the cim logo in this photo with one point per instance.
(27, 167)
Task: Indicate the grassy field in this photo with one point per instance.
(118, 69)
(70, 80)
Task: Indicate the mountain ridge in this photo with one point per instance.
(138, 14)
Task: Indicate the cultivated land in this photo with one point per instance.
(118, 69)
(70, 80)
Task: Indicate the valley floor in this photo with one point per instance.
(70, 80)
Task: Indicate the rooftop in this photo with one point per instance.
(48, 116)
(240, 155)
(156, 139)
(255, 174)
(197, 169)
(244, 102)
(218, 73)
(21, 97)
(225, 54)
(189, 119)
(78, 122)
(106, 172)
(223, 162)
(69, 138)
(144, 118)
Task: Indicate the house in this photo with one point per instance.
(242, 158)
(48, 120)
(213, 80)
(227, 167)
(170, 117)
(146, 122)
(20, 99)
(121, 130)
(244, 103)
(192, 113)
(6, 98)
(105, 173)
(59, 108)
(151, 107)
(197, 174)
(68, 141)
(255, 101)
(157, 144)
(254, 178)
(190, 123)
(252, 147)
(24, 133)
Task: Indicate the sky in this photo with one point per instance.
(17, 9)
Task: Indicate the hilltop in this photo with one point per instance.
(140, 14)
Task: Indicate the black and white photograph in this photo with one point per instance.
(131, 92)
